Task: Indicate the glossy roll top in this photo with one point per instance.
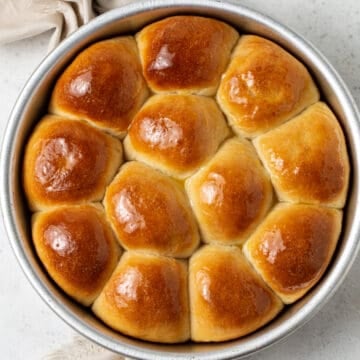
(227, 298)
(231, 194)
(293, 246)
(149, 212)
(176, 133)
(147, 297)
(77, 248)
(68, 162)
(185, 54)
(103, 85)
(307, 158)
(263, 87)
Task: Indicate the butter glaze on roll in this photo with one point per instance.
(307, 158)
(263, 87)
(293, 246)
(103, 85)
(77, 248)
(176, 133)
(228, 299)
(231, 194)
(185, 54)
(149, 212)
(68, 162)
(147, 297)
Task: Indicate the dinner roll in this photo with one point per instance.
(227, 298)
(147, 297)
(293, 246)
(103, 85)
(176, 133)
(263, 87)
(149, 212)
(231, 194)
(307, 158)
(185, 54)
(77, 248)
(68, 162)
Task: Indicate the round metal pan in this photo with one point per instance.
(32, 102)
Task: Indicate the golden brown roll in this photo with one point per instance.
(147, 297)
(77, 248)
(263, 87)
(293, 246)
(149, 211)
(228, 299)
(103, 85)
(176, 133)
(68, 162)
(307, 158)
(231, 194)
(185, 54)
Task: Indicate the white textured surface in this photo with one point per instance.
(28, 328)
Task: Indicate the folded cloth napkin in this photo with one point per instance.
(21, 19)
(82, 349)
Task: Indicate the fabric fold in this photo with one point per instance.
(20, 19)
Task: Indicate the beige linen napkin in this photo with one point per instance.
(21, 19)
(82, 349)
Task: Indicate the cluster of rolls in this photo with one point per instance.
(187, 182)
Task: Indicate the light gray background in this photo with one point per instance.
(28, 328)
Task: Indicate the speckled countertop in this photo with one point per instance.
(28, 328)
